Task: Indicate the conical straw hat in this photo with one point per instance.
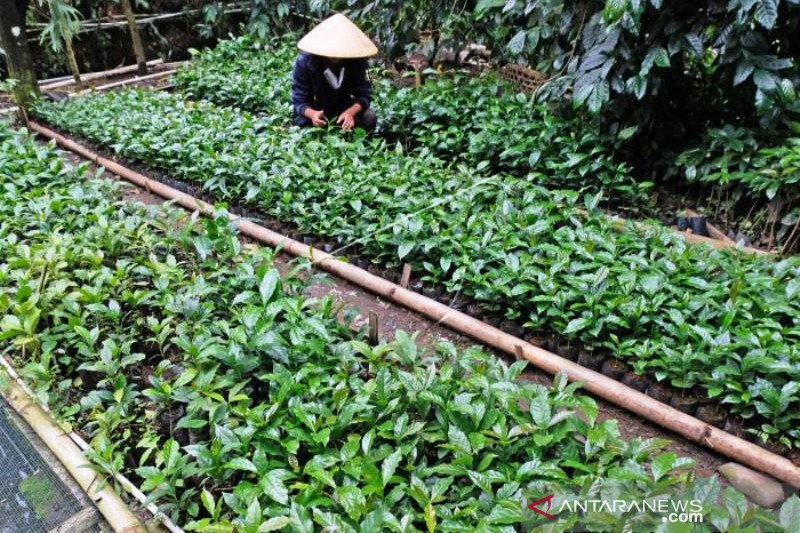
(337, 37)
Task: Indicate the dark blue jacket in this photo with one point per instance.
(310, 88)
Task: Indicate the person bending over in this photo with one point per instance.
(330, 82)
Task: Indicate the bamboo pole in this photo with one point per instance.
(713, 231)
(122, 83)
(594, 382)
(96, 24)
(48, 85)
(691, 238)
(113, 509)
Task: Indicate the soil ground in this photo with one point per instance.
(393, 317)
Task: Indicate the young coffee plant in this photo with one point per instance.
(477, 121)
(262, 411)
(695, 317)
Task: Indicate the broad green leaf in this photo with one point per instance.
(459, 440)
(208, 502)
(240, 463)
(276, 523)
(430, 517)
(540, 410)
(268, 284)
(390, 465)
(767, 13)
(352, 500)
(273, 485)
(790, 514)
(404, 249)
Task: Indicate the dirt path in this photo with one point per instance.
(393, 317)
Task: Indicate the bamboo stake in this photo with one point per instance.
(373, 328)
(405, 276)
(594, 382)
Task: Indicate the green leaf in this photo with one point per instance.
(655, 56)
(614, 10)
(517, 43)
(373, 522)
(577, 324)
(276, 523)
(765, 80)
(599, 96)
(627, 133)
(790, 514)
(390, 465)
(486, 5)
(459, 440)
(430, 517)
(506, 512)
(268, 284)
(240, 463)
(793, 288)
(743, 70)
(273, 485)
(481, 481)
(767, 13)
(352, 500)
(404, 249)
(540, 410)
(208, 502)
(662, 464)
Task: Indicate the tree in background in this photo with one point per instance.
(657, 60)
(13, 40)
(63, 23)
(136, 39)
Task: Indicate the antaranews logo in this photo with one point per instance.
(535, 506)
(661, 509)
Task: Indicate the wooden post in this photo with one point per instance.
(73, 62)
(13, 40)
(136, 39)
(405, 276)
(373, 328)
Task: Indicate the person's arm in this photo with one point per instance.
(303, 93)
(348, 117)
(362, 94)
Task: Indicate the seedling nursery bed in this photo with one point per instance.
(193, 303)
(691, 401)
(393, 317)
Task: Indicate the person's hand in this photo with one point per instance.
(347, 120)
(317, 118)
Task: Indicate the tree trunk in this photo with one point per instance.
(73, 63)
(138, 49)
(13, 40)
